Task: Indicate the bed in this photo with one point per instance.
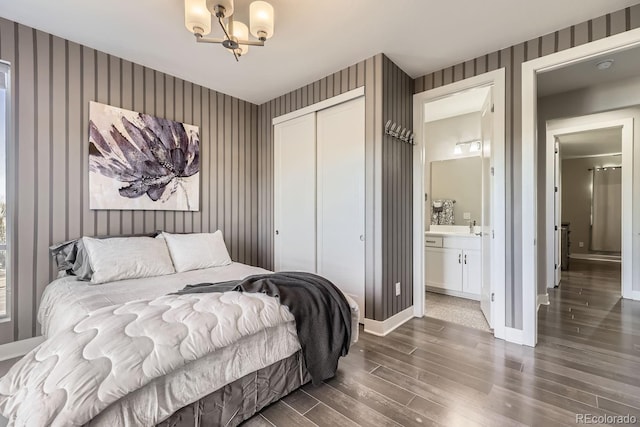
(221, 387)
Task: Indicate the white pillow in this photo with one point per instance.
(195, 251)
(127, 258)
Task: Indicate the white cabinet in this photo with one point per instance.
(455, 268)
(444, 268)
(471, 271)
(319, 195)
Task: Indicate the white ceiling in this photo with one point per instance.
(312, 38)
(584, 74)
(591, 143)
(456, 105)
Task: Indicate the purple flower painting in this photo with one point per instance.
(137, 161)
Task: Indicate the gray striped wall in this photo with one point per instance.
(397, 192)
(511, 59)
(388, 95)
(368, 74)
(53, 82)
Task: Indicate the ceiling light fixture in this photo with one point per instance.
(197, 19)
(604, 65)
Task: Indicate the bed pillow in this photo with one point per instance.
(71, 257)
(127, 258)
(197, 250)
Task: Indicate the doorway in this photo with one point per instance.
(610, 96)
(452, 255)
(589, 193)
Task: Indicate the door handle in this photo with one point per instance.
(465, 258)
(362, 237)
(459, 258)
(277, 232)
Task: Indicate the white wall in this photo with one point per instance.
(595, 99)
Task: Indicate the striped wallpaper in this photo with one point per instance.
(388, 180)
(53, 82)
(397, 192)
(511, 59)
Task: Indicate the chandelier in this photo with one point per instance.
(197, 19)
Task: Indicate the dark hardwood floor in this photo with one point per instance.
(430, 372)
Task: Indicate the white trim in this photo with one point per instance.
(543, 299)
(497, 80)
(529, 133)
(19, 348)
(513, 335)
(322, 105)
(382, 328)
(592, 156)
(597, 257)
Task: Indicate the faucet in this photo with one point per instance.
(471, 225)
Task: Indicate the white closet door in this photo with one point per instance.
(340, 160)
(295, 195)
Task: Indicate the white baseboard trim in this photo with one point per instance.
(543, 299)
(513, 335)
(634, 295)
(19, 348)
(382, 328)
(596, 257)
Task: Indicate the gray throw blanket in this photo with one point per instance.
(322, 314)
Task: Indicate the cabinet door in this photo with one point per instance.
(340, 162)
(295, 195)
(472, 272)
(444, 268)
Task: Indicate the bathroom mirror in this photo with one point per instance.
(459, 180)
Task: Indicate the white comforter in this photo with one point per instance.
(181, 348)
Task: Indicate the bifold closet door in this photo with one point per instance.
(295, 194)
(340, 196)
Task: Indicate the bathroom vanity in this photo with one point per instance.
(453, 260)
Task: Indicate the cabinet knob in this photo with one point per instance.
(277, 232)
(362, 237)
(459, 258)
(465, 258)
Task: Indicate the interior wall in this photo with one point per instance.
(459, 180)
(511, 58)
(388, 169)
(441, 137)
(53, 81)
(397, 192)
(576, 197)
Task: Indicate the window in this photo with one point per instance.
(4, 114)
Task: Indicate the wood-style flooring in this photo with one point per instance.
(430, 372)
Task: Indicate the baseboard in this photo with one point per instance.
(442, 291)
(513, 335)
(382, 328)
(634, 295)
(19, 348)
(596, 257)
(543, 299)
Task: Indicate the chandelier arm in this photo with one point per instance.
(235, 55)
(219, 41)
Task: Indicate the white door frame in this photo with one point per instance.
(530, 69)
(497, 79)
(556, 128)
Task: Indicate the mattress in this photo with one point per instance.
(67, 300)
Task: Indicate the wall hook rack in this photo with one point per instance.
(399, 132)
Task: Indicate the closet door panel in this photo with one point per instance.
(295, 195)
(340, 161)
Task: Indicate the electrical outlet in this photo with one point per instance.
(581, 244)
(466, 215)
(398, 289)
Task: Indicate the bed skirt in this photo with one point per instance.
(241, 399)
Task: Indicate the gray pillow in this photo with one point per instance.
(71, 256)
